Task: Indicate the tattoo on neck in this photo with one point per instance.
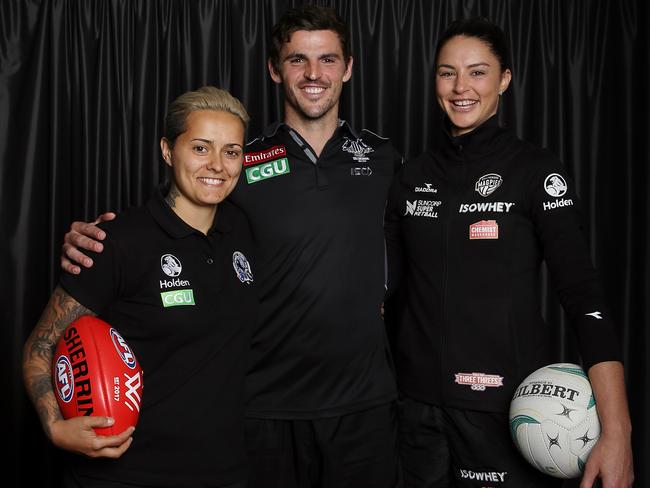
(172, 195)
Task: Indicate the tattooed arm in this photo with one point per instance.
(75, 434)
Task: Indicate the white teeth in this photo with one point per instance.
(313, 90)
(212, 181)
(463, 103)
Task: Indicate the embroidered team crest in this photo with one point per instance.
(487, 184)
(358, 148)
(170, 265)
(242, 267)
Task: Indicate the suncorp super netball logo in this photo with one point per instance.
(64, 379)
(123, 349)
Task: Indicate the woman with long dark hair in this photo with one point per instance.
(467, 227)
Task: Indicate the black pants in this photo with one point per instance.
(357, 450)
(447, 447)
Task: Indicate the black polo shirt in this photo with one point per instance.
(319, 348)
(186, 304)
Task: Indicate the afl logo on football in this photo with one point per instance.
(555, 185)
(123, 349)
(64, 379)
(486, 184)
(242, 267)
(170, 265)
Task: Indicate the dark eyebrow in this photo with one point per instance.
(475, 65)
(207, 141)
(296, 54)
(233, 144)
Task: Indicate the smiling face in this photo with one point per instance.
(469, 81)
(312, 69)
(206, 159)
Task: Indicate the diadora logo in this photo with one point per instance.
(485, 229)
(487, 184)
(242, 267)
(358, 148)
(64, 379)
(555, 185)
(422, 208)
(170, 265)
(497, 207)
(425, 189)
(361, 171)
(479, 381)
(267, 170)
(123, 348)
(492, 476)
(177, 298)
(266, 155)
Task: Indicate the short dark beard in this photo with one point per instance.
(172, 195)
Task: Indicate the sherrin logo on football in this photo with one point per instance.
(95, 372)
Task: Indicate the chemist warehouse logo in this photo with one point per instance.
(266, 164)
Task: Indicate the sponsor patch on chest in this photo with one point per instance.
(264, 171)
(269, 154)
(422, 208)
(479, 381)
(485, 229)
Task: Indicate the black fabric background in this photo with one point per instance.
(84, 87)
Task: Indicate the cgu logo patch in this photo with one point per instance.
(487, 184)
(64, 379)
(177, 298)
(123, 349)
(485, 229)
(267, 170)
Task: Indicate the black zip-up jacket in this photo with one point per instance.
(467, 228)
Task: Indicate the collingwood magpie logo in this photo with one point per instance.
(555, 185)
(170, 265)
(487, 184)
(358, 148)
(242, 267)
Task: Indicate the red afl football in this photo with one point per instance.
(96, 373)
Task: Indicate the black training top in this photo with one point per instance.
(467, 227)
(319, 348)
(186, 305)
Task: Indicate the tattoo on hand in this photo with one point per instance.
(172, 196)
